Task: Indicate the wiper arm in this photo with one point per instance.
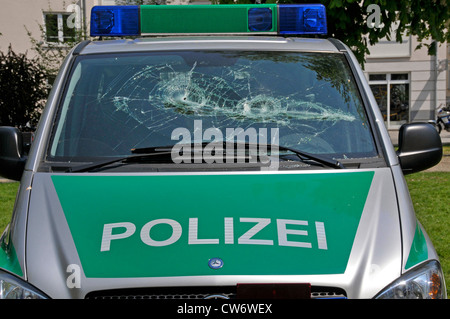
(330, 162)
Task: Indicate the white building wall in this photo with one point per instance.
(427, 77)
(18, 16)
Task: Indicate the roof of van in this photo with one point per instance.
(253, 43)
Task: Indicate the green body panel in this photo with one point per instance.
(419, 249)
(8, 258)
(199, 18)
(307, 222)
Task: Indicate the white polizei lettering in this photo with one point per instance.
(193, 234)
(321, 237)
(176, 232)
(247, 237)
(290, 233)
(107, 236)
(283, 231)
(229, 230)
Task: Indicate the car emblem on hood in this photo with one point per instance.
(215, 263)
(216, 297)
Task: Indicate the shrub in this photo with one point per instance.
(23, 89)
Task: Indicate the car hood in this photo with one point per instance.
(89, 232)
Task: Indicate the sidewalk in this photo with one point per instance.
(445, 137)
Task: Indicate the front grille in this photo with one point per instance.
(195, 293)
(192, 293)
(327, 292)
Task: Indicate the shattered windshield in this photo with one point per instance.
(115, 103)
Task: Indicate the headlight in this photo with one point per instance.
(12, 287)
(426, 281)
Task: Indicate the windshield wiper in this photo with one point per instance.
(141, 158)
(330, 162)
(158, 153)
(155, 154)
(327, 161)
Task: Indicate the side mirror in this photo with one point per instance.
(420, 147)
(12, 161)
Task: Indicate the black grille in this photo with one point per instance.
(195, 293)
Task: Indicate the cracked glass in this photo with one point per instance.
(118, 102)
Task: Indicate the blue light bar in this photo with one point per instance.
(295, 19)
(302, 19)
(259, 19)
(115, 21)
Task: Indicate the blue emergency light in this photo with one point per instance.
(143, 20)
(302, 19)
(115, 21)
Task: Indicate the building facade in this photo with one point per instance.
(51, 21)
(408, 84)
(43, 20)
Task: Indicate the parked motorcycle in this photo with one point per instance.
(443, 119)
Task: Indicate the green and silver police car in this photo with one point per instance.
(214, 152)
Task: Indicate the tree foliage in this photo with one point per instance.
(50, 55)
(347, 21)
(23, 89)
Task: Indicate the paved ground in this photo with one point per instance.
(443, 166)
(445, 137)
(4, 180)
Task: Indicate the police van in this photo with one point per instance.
(206, 151)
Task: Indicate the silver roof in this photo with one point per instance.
(257, 43)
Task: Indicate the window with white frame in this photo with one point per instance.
(108, 3)
(391, 90)
(57, 29)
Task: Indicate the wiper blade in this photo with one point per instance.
(125, 159)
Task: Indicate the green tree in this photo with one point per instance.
(51, 54)
(23, 89)
(347, 21)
